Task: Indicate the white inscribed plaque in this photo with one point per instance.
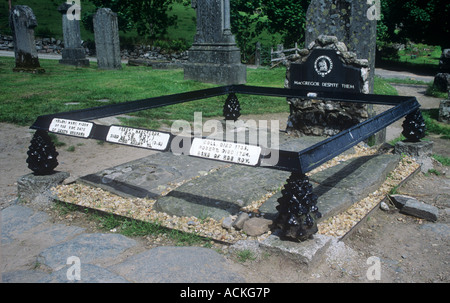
(225, 151)
(71, 127)
(138, 137)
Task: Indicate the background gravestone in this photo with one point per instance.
(353, 23)
(107, 44)
(73, 53)
(23, 21)
(214, 56)
(349, 22)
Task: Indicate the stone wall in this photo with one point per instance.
(325, 118)
(55, 46)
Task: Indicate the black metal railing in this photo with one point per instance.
(297, 209)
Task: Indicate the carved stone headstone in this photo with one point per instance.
(23, 21)
(355, 24)
(214, 56)
(73, 53)
(352, 22)
(107, 44)
(326, 66)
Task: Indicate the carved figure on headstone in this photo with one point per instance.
(323, 67)
(107, 44)
(23, 21)
(73, 52)
(214, 56)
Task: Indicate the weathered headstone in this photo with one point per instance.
(444, 110)
(214, 56)
(444, 61)
(258, 54)
(442, 82)
(326, 65)
(23, 21)
(352, 22)
(107, 43)
(73, 52)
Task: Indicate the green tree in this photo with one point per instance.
(149, 17)
(286, 17)
(422, 21)
(247, 23)
(267, 20)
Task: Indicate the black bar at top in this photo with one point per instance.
(43, 122)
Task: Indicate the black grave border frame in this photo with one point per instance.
(298, 213)
(302, 161)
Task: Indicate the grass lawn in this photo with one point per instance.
(62, 88)
(421, 54)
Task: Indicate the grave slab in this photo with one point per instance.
(341, 186)
(210, 187)
(73, 52)
(225, 191)
(149, 176)
(222, 193)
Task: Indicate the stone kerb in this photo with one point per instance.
(324, 118)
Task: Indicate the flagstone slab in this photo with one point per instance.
(150, 176)
(89, 248)
(339, 187)
(225, 191)
(164, 265)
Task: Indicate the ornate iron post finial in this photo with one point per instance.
(232, 108)
(298, 212)
(414, 126)
(42, 154)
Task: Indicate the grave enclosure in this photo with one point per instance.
(325, 72)
(297, 209)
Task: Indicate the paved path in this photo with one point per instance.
(390, 74)
(38, 250)
(35, 249)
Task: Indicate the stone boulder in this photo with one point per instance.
(444, 111)
(442, 82)
(444, 61)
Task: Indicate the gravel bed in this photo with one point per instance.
(142, 209)
(340, 224)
